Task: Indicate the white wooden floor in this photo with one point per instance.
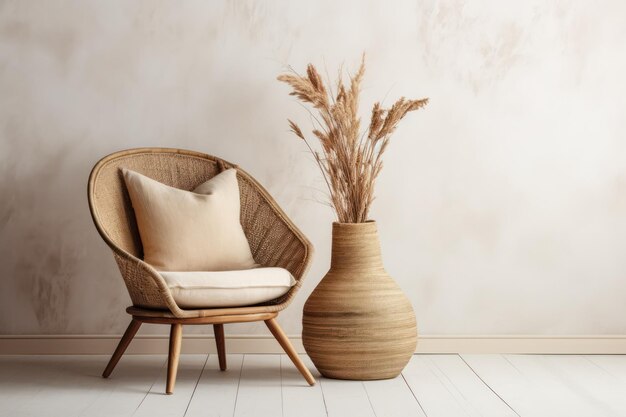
(269, 385)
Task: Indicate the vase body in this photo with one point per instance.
(357, 323)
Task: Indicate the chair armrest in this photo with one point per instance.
(146, 286)
(274, 239)
(284, 246)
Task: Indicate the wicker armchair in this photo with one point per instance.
(274, 241)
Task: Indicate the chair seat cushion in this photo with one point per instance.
(227, 288)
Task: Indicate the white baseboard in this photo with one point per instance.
(157, 344)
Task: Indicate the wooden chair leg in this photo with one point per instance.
(121, 347)
(284, 342)
(176, 335)
(218, 330)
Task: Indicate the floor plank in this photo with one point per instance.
(565, 396)
(526, 396)
(157, 403)
(24, 377)
(55, 386)
(260, 387)
(546, 385)
(127, 386)
(612, 364)
(346, 398)
(393, 398)
(603, 390)
(300, 399)
(445, 386)
(216, 392)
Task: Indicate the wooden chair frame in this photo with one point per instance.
(274, 241)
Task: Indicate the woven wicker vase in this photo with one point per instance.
(357, 323)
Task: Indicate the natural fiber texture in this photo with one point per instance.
(274, 239)
(357, 323)
(350, 159)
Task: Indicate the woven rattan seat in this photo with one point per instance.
(274, 241)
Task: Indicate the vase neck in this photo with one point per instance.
(355, 246)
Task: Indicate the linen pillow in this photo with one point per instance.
(190, 231)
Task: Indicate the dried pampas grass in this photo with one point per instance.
(350, 160)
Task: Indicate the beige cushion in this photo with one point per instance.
(190, 231)
(227, 288)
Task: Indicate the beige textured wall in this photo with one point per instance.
(502, 207)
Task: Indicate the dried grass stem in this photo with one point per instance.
(350, 160)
